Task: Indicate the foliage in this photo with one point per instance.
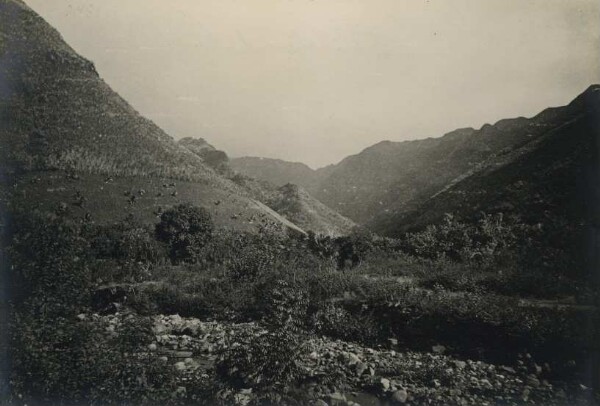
(270, 361)
(185, 229)
(60, 355)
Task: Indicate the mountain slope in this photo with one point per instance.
(553, 178)
(381, 184)
(64, 131)
(278, 172)
(289, 201)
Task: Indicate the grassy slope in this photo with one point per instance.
(57, 113)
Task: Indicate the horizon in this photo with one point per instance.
(314, 82)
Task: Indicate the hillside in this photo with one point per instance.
(293, 203)
(553, 178)
(278, 172)
(63, 127)
(385, 184)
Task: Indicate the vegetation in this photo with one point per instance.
(424, 289)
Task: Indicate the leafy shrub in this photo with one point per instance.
(60, 354)
(480, 241)
(270, 361)
(185, 229)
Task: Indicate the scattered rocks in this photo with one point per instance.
(188, 346)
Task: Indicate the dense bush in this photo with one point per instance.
(59, 354)
(185, 229)
(269, 361)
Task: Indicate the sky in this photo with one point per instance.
(314, 81)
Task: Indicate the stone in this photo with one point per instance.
(393, 341)
(321, 402)
(180, 366)
(385, 384)
(460, 364)
(508, 369)
(337, 399)
(438, 349)
(181, 354)
(360, 368)
(188, 361)
(81, 316)
(353, 359)
(313, 355)
(400, 396)
(152, 347)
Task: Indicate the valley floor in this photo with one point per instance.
(366, 376)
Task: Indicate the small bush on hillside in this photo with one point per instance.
(185, 229)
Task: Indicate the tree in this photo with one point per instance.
(185, 229)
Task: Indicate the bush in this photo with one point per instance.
(185, 229)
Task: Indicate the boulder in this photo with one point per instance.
(399, 397)
(384, 384)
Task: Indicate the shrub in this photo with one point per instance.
(185, 229)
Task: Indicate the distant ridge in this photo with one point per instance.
(384, 186)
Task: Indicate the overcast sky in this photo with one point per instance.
(317, 80)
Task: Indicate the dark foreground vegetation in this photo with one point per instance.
(460, 313)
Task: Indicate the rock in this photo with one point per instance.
(188, 361)
(533, 381)
(181, 354)
(399, 397)
(385, 384)
(81, 316)
(159, 329)
(460, 364)
(152, 347)
(313, 355)
(392, 341)
(508, 369)
(321, 402)
(180, 366)
(336, 399)
(360, 368)
(163, 359)
(438, 349)
(353, 359)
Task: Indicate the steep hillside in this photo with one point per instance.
(278, 172)
(64, 132)
(289, 201)
(552, 179)
(216, 159)
(297, 206)
(380, 185)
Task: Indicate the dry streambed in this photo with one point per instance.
(370, 376)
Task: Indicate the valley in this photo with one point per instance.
(137, 269)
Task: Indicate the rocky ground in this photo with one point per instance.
(381, 376)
